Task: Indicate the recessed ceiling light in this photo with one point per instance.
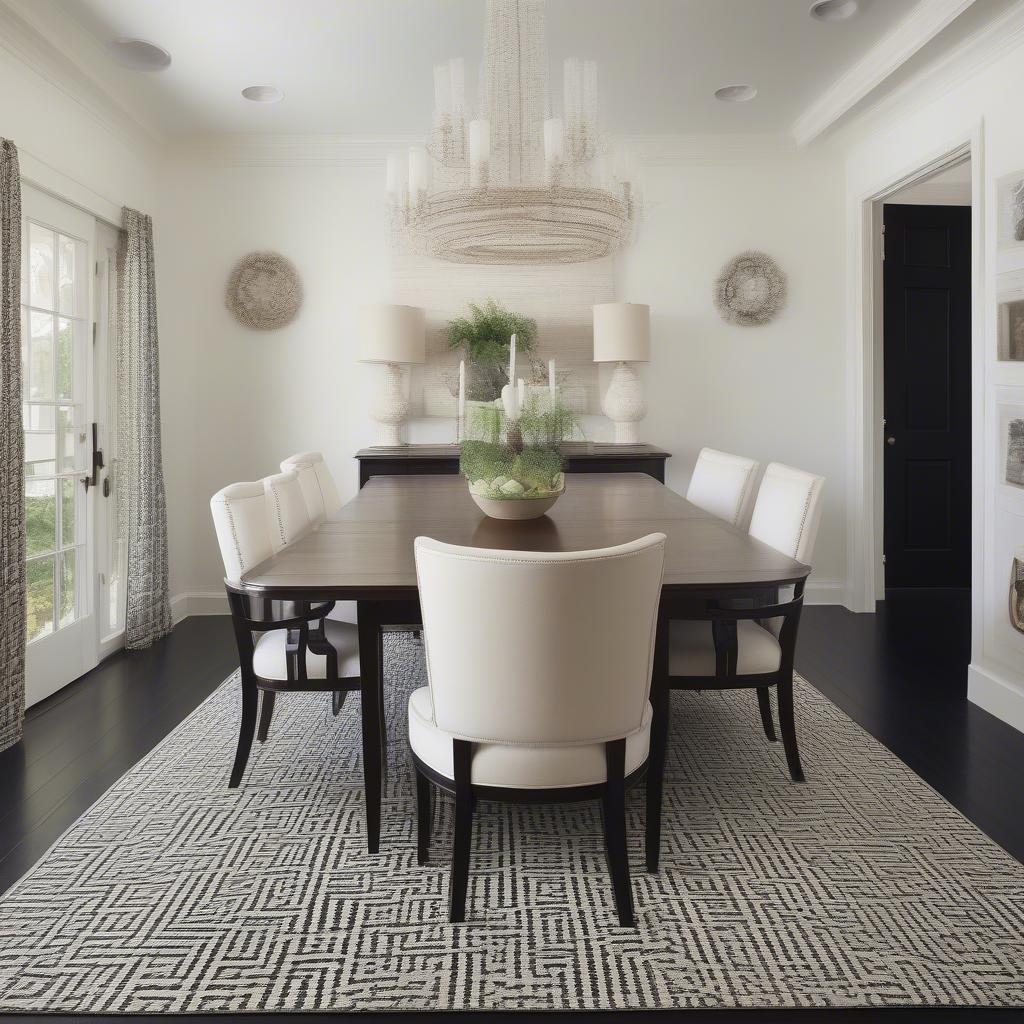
(735, 93)
(263, 93)
(138, 54)
(834, 10)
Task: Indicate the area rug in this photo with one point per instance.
(173, 893)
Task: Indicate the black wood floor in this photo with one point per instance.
(901, 674)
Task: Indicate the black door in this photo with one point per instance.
(927, 430)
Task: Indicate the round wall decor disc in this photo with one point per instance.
(264, 291)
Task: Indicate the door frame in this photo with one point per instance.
(865, 391)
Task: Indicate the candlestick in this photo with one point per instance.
(462, 387)
(522, 394)
(512, 360)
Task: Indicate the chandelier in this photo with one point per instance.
(508, 179)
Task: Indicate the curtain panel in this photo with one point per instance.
(142, 500)
(13, 613)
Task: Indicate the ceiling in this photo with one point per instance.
(363, 67)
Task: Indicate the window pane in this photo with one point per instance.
(24, 353)
(66, 438)
(68, 487)
(40, 266)
(40, 453)
(67, 274)
(41, 515)
(67, 587)
(40, 597)
(65, 359)
(41, 358)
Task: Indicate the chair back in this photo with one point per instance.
(329, 499)
(310, 485)
(286, 507)
(540, 647)
(242, 522)
(723, 485)
(788, 510)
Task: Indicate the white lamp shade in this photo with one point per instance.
(622, 332)
(392, 334)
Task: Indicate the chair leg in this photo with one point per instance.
(424, 816)
(459, 880)
(614, 808)
(788, 726)
(266, 713)
(246, 728)
(337, 701)
(764, 702)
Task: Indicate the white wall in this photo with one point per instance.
(253, 398)
(881, 149)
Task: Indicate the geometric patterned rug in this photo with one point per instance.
(174, 894)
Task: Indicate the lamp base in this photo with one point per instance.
(390, 408)
(624, 403)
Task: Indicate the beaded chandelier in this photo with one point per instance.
(515, 182)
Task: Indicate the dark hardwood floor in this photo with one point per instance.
(900, 673)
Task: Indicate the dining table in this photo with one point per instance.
(364, 553)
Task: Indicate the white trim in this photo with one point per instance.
(198, 602)
(864, 419)
(824, 592)
(32, 49)
(925, 21)
(996, 694)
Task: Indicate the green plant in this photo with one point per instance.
(485, 334)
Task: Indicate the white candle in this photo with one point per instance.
(551, 381)
(462, 388)
(479, 151)
(419, 173)
(522, 394)
(512, 360)
(554, 143)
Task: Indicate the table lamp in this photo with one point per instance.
(391, 335)
(622, 335)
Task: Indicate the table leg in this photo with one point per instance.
(661, 705)
(370, 675)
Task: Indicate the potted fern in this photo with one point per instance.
(485, 336)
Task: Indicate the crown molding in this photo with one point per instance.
(31, 49)
(256, 150)
(971, 56)
(921, 25)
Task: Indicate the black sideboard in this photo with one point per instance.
(581, 457)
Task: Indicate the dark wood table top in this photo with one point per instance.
(365, 551)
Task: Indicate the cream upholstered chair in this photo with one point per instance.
(754, 647)
(300, 651)
(539, 667)
(723, 485)
(322, 500)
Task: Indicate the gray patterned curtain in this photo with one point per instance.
(143, 505)
(13, 609)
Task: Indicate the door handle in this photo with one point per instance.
(96, 460)
(890, 440)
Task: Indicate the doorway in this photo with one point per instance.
(66, 421)
(926, 353)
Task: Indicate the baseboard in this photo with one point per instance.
(198, 603)
(825, 592)
(996, 694)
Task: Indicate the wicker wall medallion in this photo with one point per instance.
(264, 291)
(751, 290)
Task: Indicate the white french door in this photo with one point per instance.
(64, 425)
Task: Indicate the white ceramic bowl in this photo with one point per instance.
(515, 508)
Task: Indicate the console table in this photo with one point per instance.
(443, 459)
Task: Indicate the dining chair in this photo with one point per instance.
(300, 651)
(723, 485)
(731, 647)
(322, 500)
(539, 673)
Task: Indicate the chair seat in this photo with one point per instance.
(692, 651)
(269, 662)
(519, 766)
